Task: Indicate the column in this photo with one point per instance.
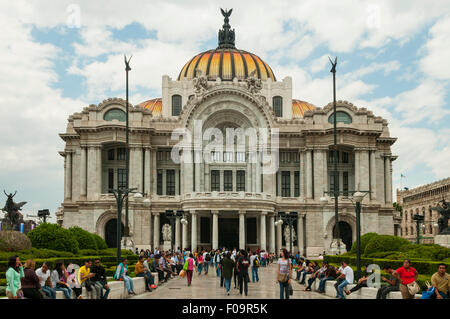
(357, 171)
(388, 178)
(184, 235)
(147, 170)
(154, 178)
(150, 229)
(292, 186)
(248, 174)
(194, 231)
(233, 176)
(197, 171)
(302, 175)
(68, 173)
(300, 232)
(207, 179)
(177, 233)
(364, 171)
(319, 170)
(241, 229)
(164, 175)
(215, 229)
(258, 173)
(279, 241)
(99, 170)
(221, 180)
(187, 171)
(83, 167)
(309, 176)
(91, 174)
(263, 239)
(271, 233)
(156, 230)
(373, 176)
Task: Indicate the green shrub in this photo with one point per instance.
(53, 236)
(382, 243)
(84, 238)
(11, 240)
(426, 251)
(100, 242)
(363, 242)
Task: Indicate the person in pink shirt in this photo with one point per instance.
(190, 268)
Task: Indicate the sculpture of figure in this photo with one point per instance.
(200, 82)
(286, 235)
(443, 208)
(254, 85)
(166, 232)
(13, 216)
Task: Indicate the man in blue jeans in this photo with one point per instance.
(346, 274)
(254, 264)
(329, 275)
(217, 260)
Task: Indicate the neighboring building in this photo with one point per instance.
(228, 202)
(419, 200)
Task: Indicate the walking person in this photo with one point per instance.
(189, 268)
(13, 276)
(30, 284)
(227, 271)
(199, 264)
(284, 274)
(243, 264)
(122, 274)
(408, 276)
(217, 259)
(254, 264)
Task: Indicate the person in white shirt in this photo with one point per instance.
(346, 274)
(254, 266)
(44, 277)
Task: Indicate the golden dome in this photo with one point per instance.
(300, 107)
(226, 64)
(154, 105)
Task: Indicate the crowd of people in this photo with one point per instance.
(229, 266)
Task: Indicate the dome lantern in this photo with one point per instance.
(226, 35)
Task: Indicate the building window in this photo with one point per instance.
(228, 181)
(121, 178)
(240, 157)
(345, 157)
(240, 181)
(215, 157)
(277, 102)
(159, 183)
(121, 154)
(205, 230)
(228, 157)
(251, 230)
(170, 182)
(115, 114)
(341, 117)
(215, 181)
(111, 154)
(176, 105)
(331, 156)
(285, 184)
(110, 180)
(296, 184)
(345, 183)
(332, 185)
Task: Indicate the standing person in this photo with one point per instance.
(284, 273)
(217, 259)
(59, 279)
(199, 264)
(206, 261)
(235, 269)
(441, 283)
(72, 280)
(263, 259)
(254, 263)
(13, 276)
(347, 278)
(122, 274)
(30, 284)
(243, 264)
(227, 271)
(189, 268)
(407, 275)
(43, 274)
(141, 271)
(86, 279)
(99, 279)
(393, 284)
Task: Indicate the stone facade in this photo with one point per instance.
(419, 200)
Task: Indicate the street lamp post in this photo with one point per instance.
(289, 219)
(358, 197)
(419, 219)
(127, 153)
(120, 194)
(172, 216)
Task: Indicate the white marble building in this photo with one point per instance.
(230, 201)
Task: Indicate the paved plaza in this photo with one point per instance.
(208, 287)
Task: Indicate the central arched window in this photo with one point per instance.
(277, 103)
(176, 105)
(115, 114)
(341, 117)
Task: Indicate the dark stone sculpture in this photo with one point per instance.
(226, 35)
(443, 208)
(13, 217)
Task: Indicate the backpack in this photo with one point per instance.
(207, 257)
(256, 262)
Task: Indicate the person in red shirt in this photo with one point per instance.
(406, 274)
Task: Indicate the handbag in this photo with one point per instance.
(182, 273)
(428, 293)
(413, 288)
(186, 264)
(291, 290)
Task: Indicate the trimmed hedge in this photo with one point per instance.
(423, 267)
(364, 241)
(53, 236)
(101, 243)
(382, 243)
(84, 238)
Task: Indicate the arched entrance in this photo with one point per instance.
(345, 232)
(111, 233)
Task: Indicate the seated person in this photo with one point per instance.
(308, 270)
(141, 271)
(393, 284)
(441, 282)
(362, 282)
(318, 273)
(100, 279)
(330, 274)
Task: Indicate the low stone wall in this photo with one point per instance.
(363, 293)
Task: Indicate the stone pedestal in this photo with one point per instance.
(336, 249)
(166, 246)
(127, 243)
(443, 240)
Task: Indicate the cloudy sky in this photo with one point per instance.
(57, 57)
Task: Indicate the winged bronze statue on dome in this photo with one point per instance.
(13, 216)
